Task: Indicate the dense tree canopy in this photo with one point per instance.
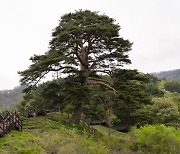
(131, 96)
(83, 44)
(173, 86)
(162, 111)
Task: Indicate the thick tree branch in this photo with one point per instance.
(102, 71)
(77, 55)
(92, 80)
(98, 79)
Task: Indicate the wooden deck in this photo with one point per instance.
(10, 121)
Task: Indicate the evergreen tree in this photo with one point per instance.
(131, 96)
(82, 44)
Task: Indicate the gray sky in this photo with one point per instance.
(26, 27)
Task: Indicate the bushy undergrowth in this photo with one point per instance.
(157, 139)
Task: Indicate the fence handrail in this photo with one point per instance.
(1, 118)
(9, 122)
(89, 128)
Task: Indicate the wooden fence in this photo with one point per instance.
(89, 128)
(10, 121)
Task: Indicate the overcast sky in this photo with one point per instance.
(26, 27)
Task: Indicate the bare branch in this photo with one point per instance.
(94, 62)
(34, 85)
(70, 53)
(65, 67)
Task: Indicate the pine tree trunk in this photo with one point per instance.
(106, 113)
(76, 116)
(106, 117)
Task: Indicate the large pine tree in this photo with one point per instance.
(83, 44)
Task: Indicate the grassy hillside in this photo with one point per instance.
(45, 136)
(42, 135)
(54, 134)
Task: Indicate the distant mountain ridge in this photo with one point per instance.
(10, 98)
(172, 74)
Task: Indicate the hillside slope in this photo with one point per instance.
(172, 74)
(42, 136)
(10, 98)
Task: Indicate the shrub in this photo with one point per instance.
(157, 139)
(162, 111)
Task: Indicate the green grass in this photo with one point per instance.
(117, 141)
(113, 133)
(54, 134)
(41, 135)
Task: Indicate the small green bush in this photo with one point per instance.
(157, 139)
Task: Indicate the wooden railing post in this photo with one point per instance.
(89, 129)
(9, 122)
